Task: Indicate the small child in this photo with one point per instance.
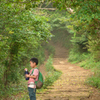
(33, 75)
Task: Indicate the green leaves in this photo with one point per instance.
(22, 33)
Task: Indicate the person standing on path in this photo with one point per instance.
(33, 76)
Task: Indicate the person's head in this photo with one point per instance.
(33, 62)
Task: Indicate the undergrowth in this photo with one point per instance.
(52, 75)
(87, 61)
(90, 63)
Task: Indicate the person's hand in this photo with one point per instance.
(26, 69)
(27, 75)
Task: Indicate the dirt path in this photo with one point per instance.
(70, 86)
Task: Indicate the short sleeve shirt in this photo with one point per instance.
(31, 81)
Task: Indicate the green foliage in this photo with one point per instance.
(94, 47)
(13, 89)
(52, 75)
(83, 10)
(88, 62)
(49, 66)
(94, 81)
(84, 21)
(76, 56)
(81, 42)
(57, 20)
(50, 78)
(78, 51)
(22, 33)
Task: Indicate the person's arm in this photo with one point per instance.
(27, 75)
(35, 74)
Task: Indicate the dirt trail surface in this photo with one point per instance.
(70, 85)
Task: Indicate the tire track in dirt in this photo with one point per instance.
(70, 85)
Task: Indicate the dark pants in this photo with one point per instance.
(32, 93)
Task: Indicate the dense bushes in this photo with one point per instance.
(52, 74)
(94, 81)
(22, 33)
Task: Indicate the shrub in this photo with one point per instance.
(52, 74)
(94, 81)
(49, 64)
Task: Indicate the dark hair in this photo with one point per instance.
(34, 60)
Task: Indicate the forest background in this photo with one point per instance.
(26, 26)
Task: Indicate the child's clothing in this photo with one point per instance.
(31, 84)
(32, 93)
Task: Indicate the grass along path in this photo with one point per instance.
(70, 85)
